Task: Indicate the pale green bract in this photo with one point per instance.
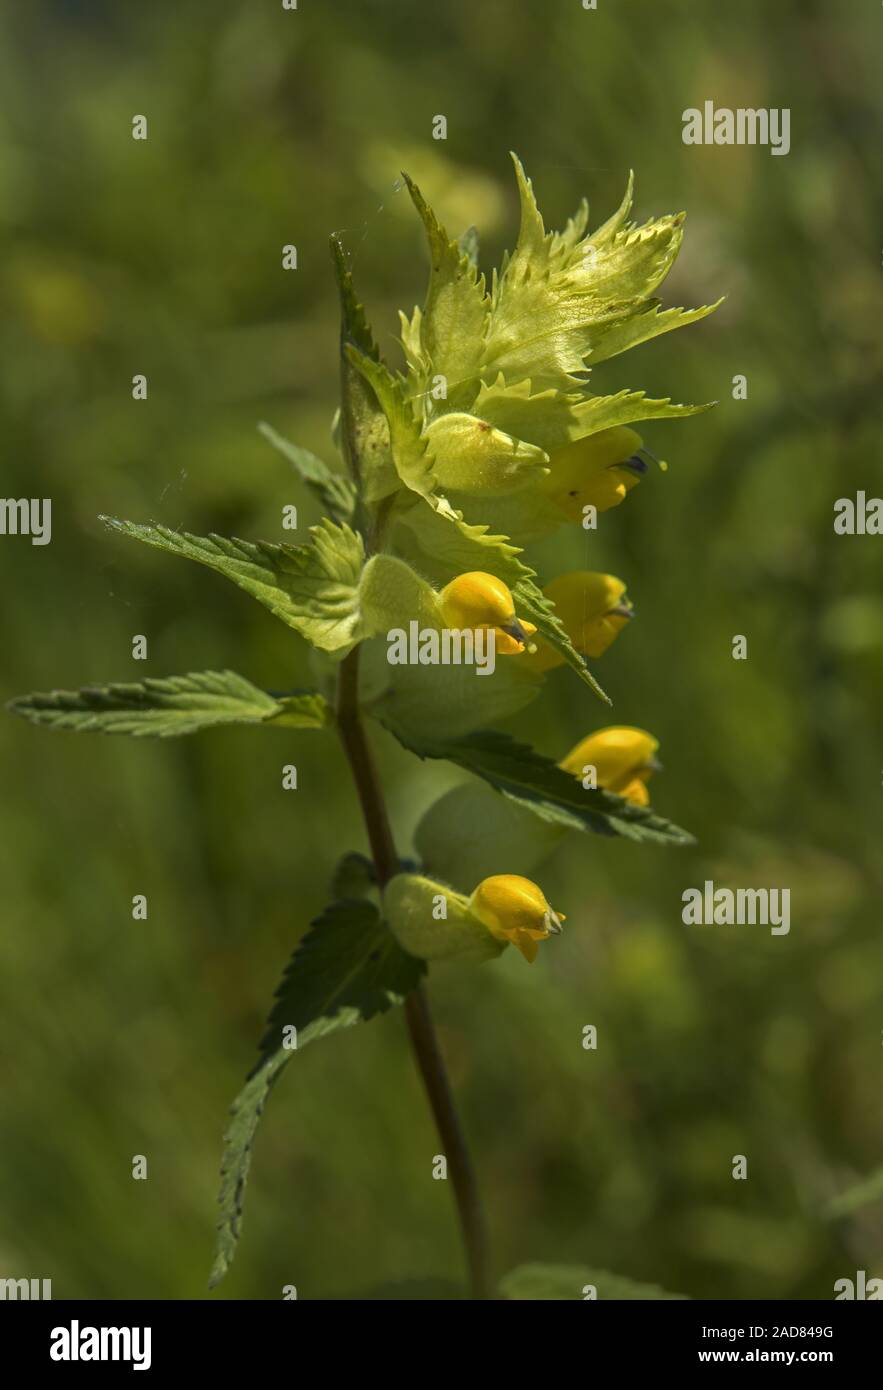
(434, 923)
(516, 357)
(496, 382)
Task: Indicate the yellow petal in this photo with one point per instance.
(591, 471)
(476, 599)
(636, 792)
(526, 945)
(479, 600)
(514, 909)
(593, 609)
(619, 755)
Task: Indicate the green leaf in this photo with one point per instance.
(449, 545)
(166, 707)
(552, 419)
(311, 588)
(541, 1283)
(410, 455)
(647, 322)
(364, 431)
(347, 969)
(354, 876)
(455, 314)
(596, 413)
(336, 493)
(862, 1194)
(547, 418)
(302, 709)
(531, 603)
(354, 326)
(541, 786)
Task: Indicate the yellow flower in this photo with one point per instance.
(479, 600)
(623, 758)
(594, 610)
(515, 909)
(598, 470)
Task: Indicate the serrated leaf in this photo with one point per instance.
(641, 325)
(448, 544)
(542, 787)
(541, 1283)
(596, 413)
(354, 326)
(347, 969)
(564, 242)
(408, 446)
(169, 706)
(552, 419)
(455, 314)
(547, 418)
(531, 603)
(617, 220)
(336, 493)
(364, 432)
(302, 709)
(354, 876)
(311, 588)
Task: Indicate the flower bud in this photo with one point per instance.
(593, 609)
(597, 470)
(515, 909)
(623, 758)
(479, 600)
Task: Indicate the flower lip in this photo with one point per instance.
(513, 628)
(515, 909)
(635, 463)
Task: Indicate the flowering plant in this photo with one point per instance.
(489, 438)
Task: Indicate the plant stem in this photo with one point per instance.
(361, 761)
(438, 1089)
(421, 1031)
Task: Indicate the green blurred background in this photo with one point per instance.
(119, 1037)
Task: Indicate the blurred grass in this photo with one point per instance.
(120, 1038)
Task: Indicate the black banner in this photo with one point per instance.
(129, 1337)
